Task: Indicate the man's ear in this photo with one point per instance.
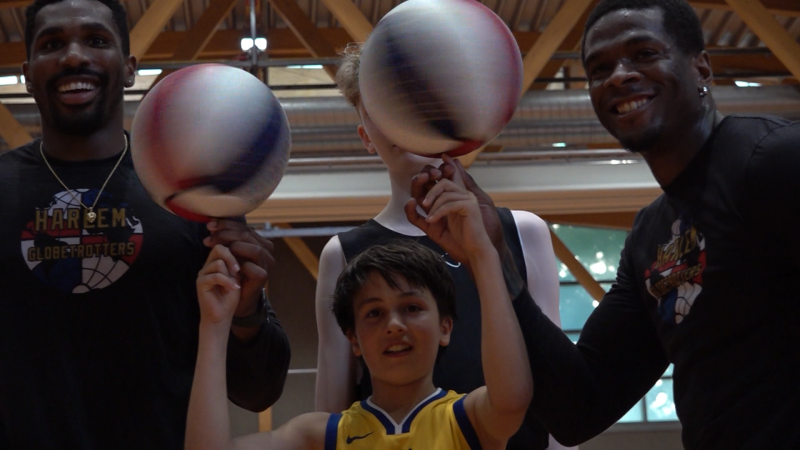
(446, 327)
(27, 78)
(362, 133)
(351, 336)
(705, 74)
(130, 71)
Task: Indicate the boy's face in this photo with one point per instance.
(397, 331)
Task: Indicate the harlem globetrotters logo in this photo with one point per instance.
(73, 254)
(676, 277)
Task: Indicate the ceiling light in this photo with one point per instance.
(7, 80)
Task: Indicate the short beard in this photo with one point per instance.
(87, 122)
(642, 143)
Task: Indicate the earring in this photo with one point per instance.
(703, 91)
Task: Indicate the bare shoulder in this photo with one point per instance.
(530, 222)
(304, 432)
(309, 428)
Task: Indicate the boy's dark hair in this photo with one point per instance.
(418, 265)
(117, 13)
(680, 22)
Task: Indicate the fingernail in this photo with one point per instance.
(211, 225)
(237, 286)
(235, 267)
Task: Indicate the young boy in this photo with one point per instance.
(395, 304)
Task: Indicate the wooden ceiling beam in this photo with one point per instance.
(542, 50)
(770, 31)
(307, 33)
(202, 31)
(570, 43)
(351, 18)
(788, 8)
(11, 130)
(575, 267)
(747, 63)
(283, 43)
(200, 34)
(622, 220)
(223, 44)
(300, 249)
(150, 25)
(14, 3)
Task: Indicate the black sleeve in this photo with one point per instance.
(773, 182)
(581, 390)
(256, 370)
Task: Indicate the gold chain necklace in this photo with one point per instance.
(90, 214)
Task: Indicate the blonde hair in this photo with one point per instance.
(347, 74)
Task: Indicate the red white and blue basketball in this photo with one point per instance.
(440, 76)
(210, 141)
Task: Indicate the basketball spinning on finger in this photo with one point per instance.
(210, 141)
(440, 76)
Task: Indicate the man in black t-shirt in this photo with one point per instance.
(707, 278)
(98, 314)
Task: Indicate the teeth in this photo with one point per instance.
(397, 348)
(631, 106)
(78, 85)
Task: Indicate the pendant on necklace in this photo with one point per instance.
(90, 215)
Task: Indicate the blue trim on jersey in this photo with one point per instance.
(407, 422)
(332, 431)
(466, 426)
(385, 421)
(403, 427)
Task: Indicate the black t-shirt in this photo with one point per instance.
(98, 321)
(459, 366)
(707, 281)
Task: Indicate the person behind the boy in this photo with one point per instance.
(341, 378)
(396, 304)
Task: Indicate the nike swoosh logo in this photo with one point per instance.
(355, 438)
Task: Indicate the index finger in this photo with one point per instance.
(220, 252)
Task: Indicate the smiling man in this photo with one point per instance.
(708, 275)
(707, 278)
(99, 314)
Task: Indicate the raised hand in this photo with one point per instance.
(253, 254)
(454, 220)
(218, 287)
(452, 169)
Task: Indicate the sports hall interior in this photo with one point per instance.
(553, 159)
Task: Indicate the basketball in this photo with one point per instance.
(210, 141)
(440, 76)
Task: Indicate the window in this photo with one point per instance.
(598, 249)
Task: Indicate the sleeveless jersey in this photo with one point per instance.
(439, 422)
(459, 366)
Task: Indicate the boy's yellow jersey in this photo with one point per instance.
(438, 423)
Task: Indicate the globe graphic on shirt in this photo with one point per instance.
(66, 251)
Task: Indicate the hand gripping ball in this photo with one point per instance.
(210, 141)
(440, 76)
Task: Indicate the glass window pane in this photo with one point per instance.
(598, 249)
(574, 336)
(668, 372)
(575, 305)
(659, 403)
(634, 415)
